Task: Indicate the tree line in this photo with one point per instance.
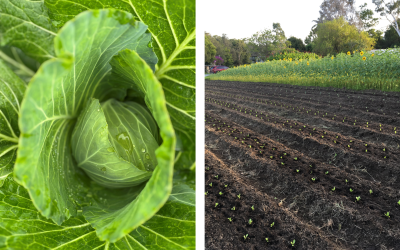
(340, 28)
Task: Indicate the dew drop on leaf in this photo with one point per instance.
(147, 156)
(143, 150)
(148, 167)
(125, 141)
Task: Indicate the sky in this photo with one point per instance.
(241, 19)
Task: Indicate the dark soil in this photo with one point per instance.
(326, 187)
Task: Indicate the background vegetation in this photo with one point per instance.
(341, 27)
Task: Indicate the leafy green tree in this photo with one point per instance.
(297, 43)
(338, 36)
(228, 60)
(210, 50)
(377, 36)
(239, 51)
(367, 17)
(260, 44)
(391, 37)
(333, 9)
(263, 43)
(391, 10)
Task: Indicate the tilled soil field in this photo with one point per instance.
(291, 167)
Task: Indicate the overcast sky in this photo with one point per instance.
(241, 19)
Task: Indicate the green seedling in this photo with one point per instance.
(284, 153)
(326, 172)
(233, 209)
(207, 168)
(210, 184)
(238, 196)
(273, 223)
(220, 193)
(334, 188)
(387, 215)
(252, 207)
(398, 202)
(230, 219)
(358, 198)
(351, 190)
(206, 193)
(266, 239)
(297, 170)
(292, 242)
(245, 237)
(216, 177)
(370, 191)
(346, 181)
(295, 158)
(313, 179)
(282, 163)
(226, 185)
(216, 204)
(250, 221)
(271, 157)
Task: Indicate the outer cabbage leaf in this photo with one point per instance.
(112, 223)
(22, 65)
(173, 227)
(12, 89)
(55, 97)
(25, 24)
(172, 25)
(22, 226)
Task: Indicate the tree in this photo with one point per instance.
(228, 60)
(260, 44)
(279, 41)
(333, 9)
(210, 49)
(239, 51)
(297, 43)
(377, 36)
(391, 37)
(263, 43)
(391, 10)
(367, 17)
(339, 36)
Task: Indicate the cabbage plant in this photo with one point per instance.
(97, 112)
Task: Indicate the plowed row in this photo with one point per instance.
(309, 172)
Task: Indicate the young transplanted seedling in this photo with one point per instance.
(250, 221)
(230, 219)
(238, 196)
(272, 224)
(293, 242)
(252, 207)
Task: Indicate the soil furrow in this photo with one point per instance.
(340, 116)
(323, 148)
(309, 203)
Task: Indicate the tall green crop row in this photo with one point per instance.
(355, 70)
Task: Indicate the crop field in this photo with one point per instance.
(295, 167)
